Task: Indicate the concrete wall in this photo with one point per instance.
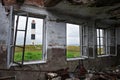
(55, 37)
(4, 24)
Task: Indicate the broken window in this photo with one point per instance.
(27, 39)
(73, 41)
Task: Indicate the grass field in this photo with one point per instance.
(73, 51)
(100, 51)
(32, 53)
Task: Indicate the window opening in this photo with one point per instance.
(73, 41)
(28, 39)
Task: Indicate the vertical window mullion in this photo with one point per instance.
(116, 41)
(15, 35)
(109, 41)
(87, 41)
(81, 40)
(10, 38)
(93, 42)
(44, 51)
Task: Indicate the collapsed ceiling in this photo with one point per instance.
(97, 9)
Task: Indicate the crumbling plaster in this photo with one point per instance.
(55, 37)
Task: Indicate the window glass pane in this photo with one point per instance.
(97, 32)
(22, 20)
(101, 33)
(101, 41)
(73, 41)
(98, 50)
(20, 38)
(102, 50)
(98, 41)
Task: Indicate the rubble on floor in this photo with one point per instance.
(105, 74)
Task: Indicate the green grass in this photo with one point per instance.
(73, 51)
(100, 51)
(29, 56)
(33, 54)
(73, 54)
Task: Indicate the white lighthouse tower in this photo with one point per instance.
(33, 31)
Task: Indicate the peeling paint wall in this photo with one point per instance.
(3, 36)
(56, 42)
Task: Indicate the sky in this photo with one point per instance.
(72, 32)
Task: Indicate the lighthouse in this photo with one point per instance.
(33, 31)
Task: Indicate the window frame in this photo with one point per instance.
(10, 57)
(76, 58)
(107, 41)
(104, 40)
(85, 38)
(89, 46)
(112, 29)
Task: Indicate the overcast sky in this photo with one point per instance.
(72, 32)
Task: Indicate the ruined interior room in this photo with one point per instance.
(59, 39)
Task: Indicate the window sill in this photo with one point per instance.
(113, 54)
(72, 59)
(103, 55)
(30, 63)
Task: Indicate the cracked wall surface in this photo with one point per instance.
(56, 42)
